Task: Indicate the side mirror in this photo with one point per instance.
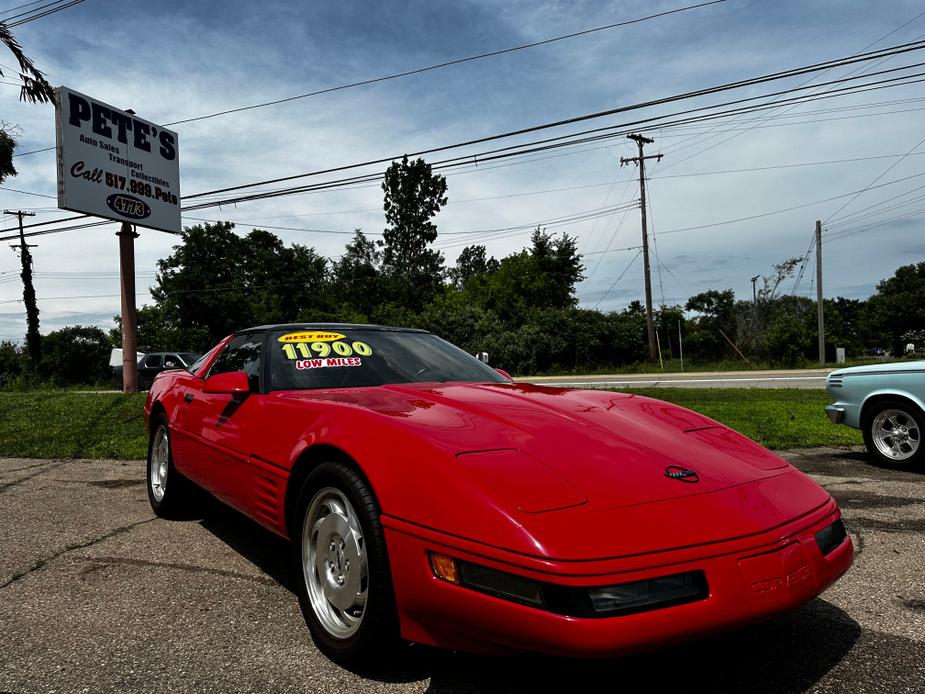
(228, 383)
(505, 374)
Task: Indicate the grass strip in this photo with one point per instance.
(66, 424)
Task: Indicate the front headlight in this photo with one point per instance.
(652, 593)
(605, 601)
(497, 583)
(830, 537)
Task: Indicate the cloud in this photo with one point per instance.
(176, 59)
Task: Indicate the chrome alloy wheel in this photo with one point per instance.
(160, 454)
(334, 563)
(896, 434)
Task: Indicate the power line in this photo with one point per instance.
(875, 179)
(26, 192)
(619, 277)
(417, 71)
(18, 7)
(868, 46)
(785, 209)
(457, 161)
(35, 14)
(851, 231)
(784, 74)
(448, 63)
(895, 50)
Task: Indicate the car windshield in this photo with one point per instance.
(188, 358)
(344, 358)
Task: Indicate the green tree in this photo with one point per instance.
(843, 325)
(558, 261)
(717, 316)
(158, 332)
(668, 320)
(35, 87)
(472, 263)
(282, 282)
(413, 195)
(790, 339)
(543, 276)
(13, 362)
(898, 306)
(357, 279)
(216, 282)
(7, 145)
(201, 284)
(76, 354)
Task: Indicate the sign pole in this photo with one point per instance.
(129, 326)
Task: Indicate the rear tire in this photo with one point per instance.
(893, 431)
(171, 494)
(342, 567)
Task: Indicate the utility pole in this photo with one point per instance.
(33, 338)
(641, 161)
(755, 291)
(819, 311)
(127, 237)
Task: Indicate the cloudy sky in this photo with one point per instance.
(174, 60)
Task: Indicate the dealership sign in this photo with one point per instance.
(113, 164)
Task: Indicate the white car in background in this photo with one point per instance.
(887, 403)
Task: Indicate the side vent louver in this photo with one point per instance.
(266, 498)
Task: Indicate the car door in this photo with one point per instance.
(218, 424)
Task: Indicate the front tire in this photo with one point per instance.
(171, 495)
(343, 578)
(893, 431)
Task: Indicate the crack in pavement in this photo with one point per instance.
(191, 568)
(47, 468)
(29, 467)
(41, 563)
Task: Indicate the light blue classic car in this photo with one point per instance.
(887, 403)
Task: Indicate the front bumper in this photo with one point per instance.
(767, 575)
(836, 414)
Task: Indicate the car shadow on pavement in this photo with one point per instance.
(265, 550)
(786, 654)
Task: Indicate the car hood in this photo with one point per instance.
(541, 449)
(869, 369)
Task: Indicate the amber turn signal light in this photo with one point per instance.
(444, 567)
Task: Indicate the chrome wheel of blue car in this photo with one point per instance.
(896, 434)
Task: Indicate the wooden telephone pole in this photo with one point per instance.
(819, 304)
(33, 337)
(641, 161)
(127, 236)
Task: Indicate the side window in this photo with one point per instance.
(171, 361)
(152, 361)
(241, 354)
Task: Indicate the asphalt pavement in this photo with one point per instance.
(799, 378)
(97, 595)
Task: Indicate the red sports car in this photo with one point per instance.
(431, 499)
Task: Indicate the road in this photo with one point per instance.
(97, 595)
(801, 378)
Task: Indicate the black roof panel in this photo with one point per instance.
(328, 326)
